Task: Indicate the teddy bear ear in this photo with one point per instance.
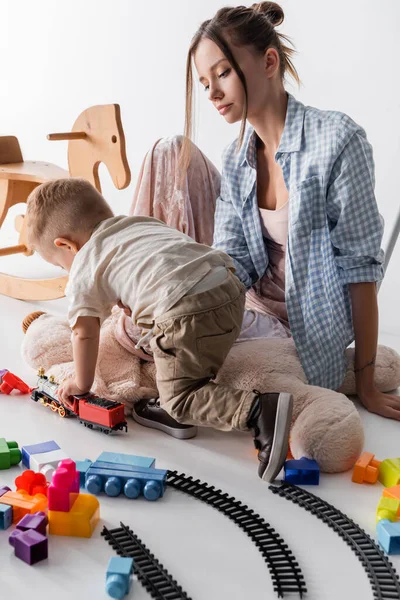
(30, 318)
(47, 341)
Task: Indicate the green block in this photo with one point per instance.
(10, 454)
(389, 472)
(387, 509)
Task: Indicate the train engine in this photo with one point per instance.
(92, 411)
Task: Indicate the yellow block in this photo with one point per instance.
(387, 509)
(389, 472)
(80, 521)
(392, 492)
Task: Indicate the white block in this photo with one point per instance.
(47, 462)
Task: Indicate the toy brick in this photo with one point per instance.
(64, 487)
(30, 546)
(33, 483)
(392, 492)
(304, 471)
(127, 459)
(387, 509)
(47, 462)
(4, 489)
(6, 516)
(114, 479)
(10, 454)
(22, 503)
(389, 472)
(10, 382)
(37, 521)
(82, 467)
(119, 576)
(389, 536)
(80, 521)
(366, 469)
(28, 451)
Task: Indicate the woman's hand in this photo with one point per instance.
(126, 309)
(380, 403)
(69, 388)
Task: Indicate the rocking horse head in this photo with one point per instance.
(97, 137)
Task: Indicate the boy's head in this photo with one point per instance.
(61, 216)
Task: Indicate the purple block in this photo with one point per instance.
(30, 546)
(4, 489)
(37, 521)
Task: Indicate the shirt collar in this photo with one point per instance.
(291, 135)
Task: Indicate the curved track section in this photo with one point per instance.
(285, 572)
(381, 573)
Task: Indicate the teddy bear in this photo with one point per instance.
(326, 424)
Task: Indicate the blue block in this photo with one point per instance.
(6, 516)
(127, 459)
(389, 536)
(132, 481)
(82, 466)
(302, 472)
(27, 451)
(118, 576)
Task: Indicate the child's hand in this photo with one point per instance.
(68, 388)
(381, 404)
(126, 309)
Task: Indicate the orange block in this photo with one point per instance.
(366, 469)
(393, 492)
(80, 521)
(23, 504)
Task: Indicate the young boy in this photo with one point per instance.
(183, 293)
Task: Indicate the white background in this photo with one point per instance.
(59, 58)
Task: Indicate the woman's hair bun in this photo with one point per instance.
(271, 10)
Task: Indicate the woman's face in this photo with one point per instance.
(222, 84)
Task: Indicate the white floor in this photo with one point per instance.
(210, 557)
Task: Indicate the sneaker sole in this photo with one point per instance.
(279, 450)
(180, 434)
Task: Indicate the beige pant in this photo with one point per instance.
(190, 344)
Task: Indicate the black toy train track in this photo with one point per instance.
(152, 575)
(381, 573)
(285, 572)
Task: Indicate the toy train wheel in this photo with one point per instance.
(54, 406)
(62, 412)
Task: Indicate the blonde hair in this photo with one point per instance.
(242, 26)
(63, 208)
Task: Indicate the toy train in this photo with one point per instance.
(92, 411)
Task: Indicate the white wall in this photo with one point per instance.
(58, 58)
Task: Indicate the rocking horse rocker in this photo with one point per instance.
(96, 137)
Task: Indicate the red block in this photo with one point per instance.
(31, 482)
(11, 382)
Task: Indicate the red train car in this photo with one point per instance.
(92, 411)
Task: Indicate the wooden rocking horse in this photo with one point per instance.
(96, 137)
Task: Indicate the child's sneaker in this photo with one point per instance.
(270, 419)
(150, 414)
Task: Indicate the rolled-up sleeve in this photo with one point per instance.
(229, 236)
(356, 227)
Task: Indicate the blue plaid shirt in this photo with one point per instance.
(335, 229)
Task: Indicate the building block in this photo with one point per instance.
(33, 483)
(132, 481)
(304, 471)
(64, 487)
(389, 536)
(22, 503)
(127, 459)
(389, 472)
(4, 489)
(37, 521)
(6, 516)
(119, 576)
(10, 454)
(80, 521)
(30, 546)
(82, 466)
(47, 462)
(28, 451)
(387, 509)
(392, 492)
(366, 469)
(10, 382)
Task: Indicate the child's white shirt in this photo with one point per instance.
(140, 261)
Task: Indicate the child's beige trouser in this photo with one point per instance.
(190, 344)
